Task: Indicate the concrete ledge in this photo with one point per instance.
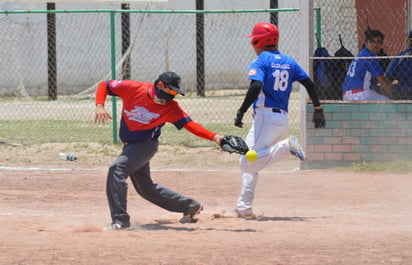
(359, 131)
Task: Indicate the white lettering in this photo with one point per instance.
(280, 66)
(141, 115)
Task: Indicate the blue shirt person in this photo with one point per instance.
(400, 72)
(365, 74)
(271, 76)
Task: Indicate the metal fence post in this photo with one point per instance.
(51, 52)
(200, 50)
(113, 63)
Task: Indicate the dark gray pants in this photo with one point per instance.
(134, 161)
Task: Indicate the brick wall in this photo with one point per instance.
(359, 131)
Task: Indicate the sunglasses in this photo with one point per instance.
(171, 91)
(379, 42)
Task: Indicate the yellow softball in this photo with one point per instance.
(251, 155)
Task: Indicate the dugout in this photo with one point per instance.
(329, 71)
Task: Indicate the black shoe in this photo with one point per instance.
(188, 217)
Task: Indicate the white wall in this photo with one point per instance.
(34, 56)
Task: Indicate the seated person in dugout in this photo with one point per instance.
(365, 75)
(400, 72)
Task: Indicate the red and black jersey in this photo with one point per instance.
(142, 118)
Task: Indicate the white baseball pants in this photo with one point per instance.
(267, 138)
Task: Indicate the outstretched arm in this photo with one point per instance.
(228, 143)
(200, 131)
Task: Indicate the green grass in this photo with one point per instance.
(52, 131)
(216, 117)
(397, 167)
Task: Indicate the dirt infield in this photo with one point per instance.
(52, 212)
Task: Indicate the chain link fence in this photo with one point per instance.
(89, 46)
(340, 35)
(94, 45)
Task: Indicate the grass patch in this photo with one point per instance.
(29, 132)
(386, 167)
(53, 131)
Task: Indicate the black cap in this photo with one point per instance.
(173, 80)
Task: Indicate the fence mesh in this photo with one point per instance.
(161, 41)
(157, 42)
(340, 35)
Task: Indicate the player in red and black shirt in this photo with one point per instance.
(146, 109)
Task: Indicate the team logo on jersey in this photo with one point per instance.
(141, 115)
(252, 72)
(277, 56)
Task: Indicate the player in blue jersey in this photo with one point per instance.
(366, 75)
(271, 76)
(400, 72)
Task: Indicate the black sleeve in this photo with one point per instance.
(251, 95)
(310, 87)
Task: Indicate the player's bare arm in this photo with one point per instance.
(217, 139)
(101, 115)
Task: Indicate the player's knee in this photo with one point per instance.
(248, 167)
(116, 173)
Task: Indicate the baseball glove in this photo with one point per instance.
(234, 144)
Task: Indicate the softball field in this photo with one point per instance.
(53, 212)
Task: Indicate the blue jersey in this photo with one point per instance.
(362, 72)
(277, 72)
(401, 70)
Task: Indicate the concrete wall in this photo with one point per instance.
(360, 131)
(394, 26)
(83, 50)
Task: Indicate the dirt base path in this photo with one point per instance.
(53, 213)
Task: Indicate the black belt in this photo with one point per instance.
(276, 110)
